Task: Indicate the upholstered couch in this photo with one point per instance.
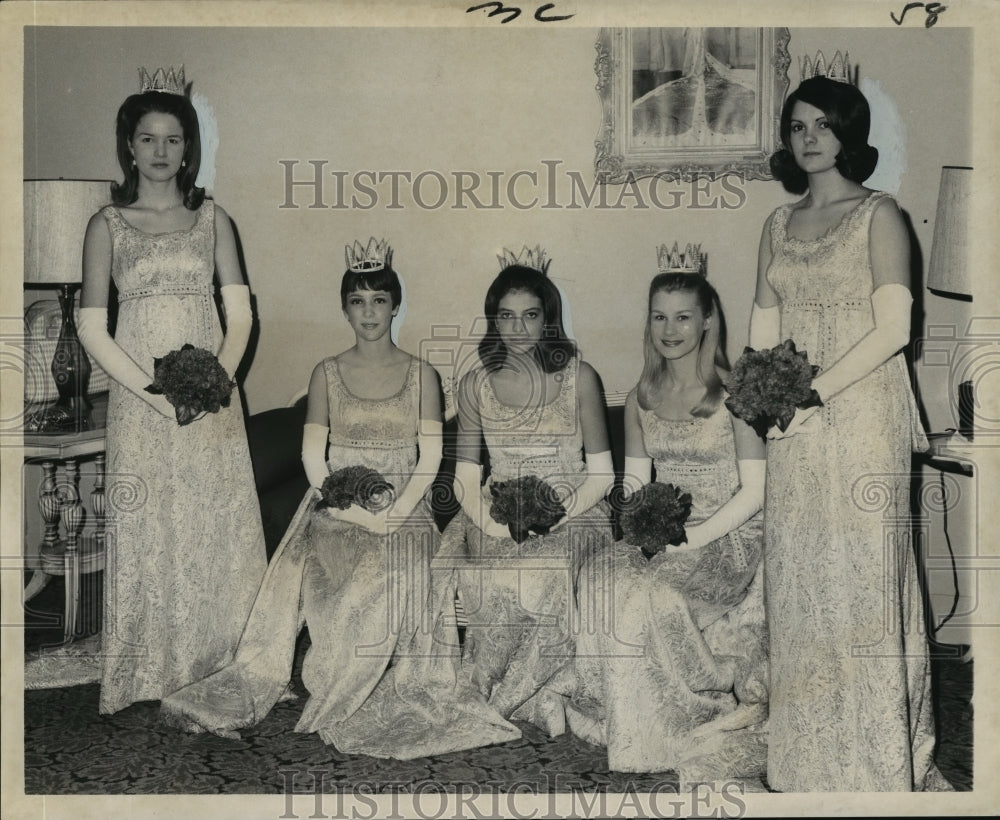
(275, 438)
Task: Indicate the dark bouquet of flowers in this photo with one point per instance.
(766, 387)
(526, 505)
(655, 516)
(356, 485)
(193, 381)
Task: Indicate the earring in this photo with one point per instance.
(183, 163)
(133, 162)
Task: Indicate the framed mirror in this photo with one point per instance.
(681, 103)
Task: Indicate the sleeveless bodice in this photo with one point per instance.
(545, 441)
(376, 433)
(164, 286)
(824, 284)
(825, 287)
(698, 455)
(163, 262)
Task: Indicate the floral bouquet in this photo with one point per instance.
(356, 485)
(193, 381)
(655, 516)
(766, 387)
(526, 504)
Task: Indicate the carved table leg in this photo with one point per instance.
(72, 518)
(97, 503)
(49, 506)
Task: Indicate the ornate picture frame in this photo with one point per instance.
(689, 103)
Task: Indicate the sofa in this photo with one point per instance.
(275, 439)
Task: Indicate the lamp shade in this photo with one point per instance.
(56, 212)
(949, 266)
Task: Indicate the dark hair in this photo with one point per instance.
(711, 347)
(381, 279)
(849, 116)
(554, 350)
(134, 109)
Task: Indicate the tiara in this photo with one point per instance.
(533, 258)
(671, 260)
(167, 80)
(839, 69)
(376, 255)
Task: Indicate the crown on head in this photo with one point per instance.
(533, 258)
(839, 69)
(168, 80)
(671, 260)
(376, 255)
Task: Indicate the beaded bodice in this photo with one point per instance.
(165, 286)
(824, 284)
(543, 440)
(138, 268)
(376, 433)
(698, 455)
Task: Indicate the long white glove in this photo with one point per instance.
(314, 438)
(430, 443)
(891, 309)
(239, 321)
(600, 478)
(749, 498)
(92, 329)
(765, 327)
(638, 473)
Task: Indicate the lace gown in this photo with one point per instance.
(850, 696)
(519, 598)
(672, 655)
(382, 668)
(185, 546)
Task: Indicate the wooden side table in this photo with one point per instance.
(59, 502)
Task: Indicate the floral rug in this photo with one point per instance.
(71, 749)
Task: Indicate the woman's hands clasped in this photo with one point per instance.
(161, 405)
(802, 422)
(360, 517)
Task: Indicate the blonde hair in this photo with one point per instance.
(711, 355)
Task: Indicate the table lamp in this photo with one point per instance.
(56, 212)
(948, 271)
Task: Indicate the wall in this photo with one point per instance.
(482, 100)
(451, 100)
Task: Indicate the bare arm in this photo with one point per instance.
(600, 471)
(638, 464)
(235, 294)
(316, 431)
(765, 315)
(93, 326)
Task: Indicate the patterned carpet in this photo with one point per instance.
(71, 749)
